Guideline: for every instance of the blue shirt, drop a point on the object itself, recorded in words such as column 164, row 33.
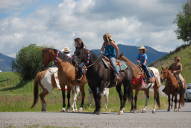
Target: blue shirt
column 142, row 57
column 109, row 51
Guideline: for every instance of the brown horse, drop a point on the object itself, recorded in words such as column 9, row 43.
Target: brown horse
column 66, row 73
column 137, row 84
column 172, row 89
column 47, row 80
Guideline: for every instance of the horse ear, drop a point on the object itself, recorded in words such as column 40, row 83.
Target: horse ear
column 162, row 67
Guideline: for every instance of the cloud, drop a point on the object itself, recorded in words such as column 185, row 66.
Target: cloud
column 142, row 22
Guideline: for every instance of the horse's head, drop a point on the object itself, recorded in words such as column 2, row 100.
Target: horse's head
column 48, row 55
column 164, row 73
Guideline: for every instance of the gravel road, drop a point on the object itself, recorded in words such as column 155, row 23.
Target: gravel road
column 161, row 119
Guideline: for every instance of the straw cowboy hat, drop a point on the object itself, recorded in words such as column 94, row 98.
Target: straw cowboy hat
column 66, row 49
column 142, row 48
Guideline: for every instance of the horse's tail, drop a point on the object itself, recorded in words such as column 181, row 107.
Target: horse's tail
column 35, row 91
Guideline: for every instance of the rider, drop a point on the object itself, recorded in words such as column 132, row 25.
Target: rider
column 78, row 43
column 176, row 69
column 111, row 51
column 142, row 60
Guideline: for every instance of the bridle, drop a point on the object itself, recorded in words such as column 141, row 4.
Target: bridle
column 87, row 63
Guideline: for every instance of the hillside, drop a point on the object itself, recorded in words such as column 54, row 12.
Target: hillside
column 132, row 51
column 185, row 53
column 5, row 63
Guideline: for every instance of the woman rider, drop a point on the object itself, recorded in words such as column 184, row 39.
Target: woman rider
column 176, row 69
column 111, row 51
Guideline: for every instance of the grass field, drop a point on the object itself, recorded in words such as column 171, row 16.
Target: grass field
column 17, row 95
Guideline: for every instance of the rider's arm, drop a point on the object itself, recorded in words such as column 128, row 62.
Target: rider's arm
column 116, row 48
column 145, row 62
column 102, row 48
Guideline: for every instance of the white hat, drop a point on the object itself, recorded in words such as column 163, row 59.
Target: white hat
column 66, row 49
column 142, row 47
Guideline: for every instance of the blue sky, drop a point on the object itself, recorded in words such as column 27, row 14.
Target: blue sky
column 56, row 23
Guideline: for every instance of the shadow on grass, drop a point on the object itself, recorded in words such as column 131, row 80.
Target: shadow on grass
column 21, row 84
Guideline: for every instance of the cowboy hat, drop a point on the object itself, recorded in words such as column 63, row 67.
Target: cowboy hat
column 66, row 49
column 142, row 48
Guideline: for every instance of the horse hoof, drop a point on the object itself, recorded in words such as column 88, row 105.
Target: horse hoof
column 144, row 110
column 80, row 109
column 121, row 112
column 153, row 111
column 63, row 110
column 43, row 110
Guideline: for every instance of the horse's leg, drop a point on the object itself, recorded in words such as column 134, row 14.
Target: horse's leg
column 63, row 99
column 83, row 97
column 135, row 99
column 68, row 97
column 172, row 101
column 42, row 97
column 75, row 95
column 169, row 103
column 175, row 106
column 156, row 99
column 146, row 100
column 179, row 102
column 118, row 88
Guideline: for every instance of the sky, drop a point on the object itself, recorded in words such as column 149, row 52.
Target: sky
column 55, row 23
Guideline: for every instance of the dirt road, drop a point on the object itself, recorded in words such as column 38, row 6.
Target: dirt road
column 161, row 119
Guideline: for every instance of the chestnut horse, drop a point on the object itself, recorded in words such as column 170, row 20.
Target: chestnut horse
column 48, row 80
column 66, row 73
column 138, row 84
column 172, row 89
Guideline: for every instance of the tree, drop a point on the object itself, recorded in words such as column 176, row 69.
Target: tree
column 183, row 21
column 28, row 61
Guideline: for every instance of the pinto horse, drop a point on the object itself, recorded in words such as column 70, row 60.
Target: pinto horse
column 48, row 80
column 172, row 89
column 66, row 73
column 138, row 84
column 100, row 77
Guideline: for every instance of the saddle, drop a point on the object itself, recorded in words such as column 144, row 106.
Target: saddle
column 108, row 64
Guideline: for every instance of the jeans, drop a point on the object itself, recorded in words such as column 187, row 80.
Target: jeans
column 144, row 67
column 113, row 62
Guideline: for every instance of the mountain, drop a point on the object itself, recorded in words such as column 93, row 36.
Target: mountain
column 6, row 63
column 131, row 53
column 185, row 53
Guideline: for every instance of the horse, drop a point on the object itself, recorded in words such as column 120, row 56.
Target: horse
column 172, row 89
column 66, row 74
column 105, row 94
column 99, row 77
column 137, row 82
column 48, row 80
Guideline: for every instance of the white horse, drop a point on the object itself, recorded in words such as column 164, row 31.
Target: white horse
column 48, row 80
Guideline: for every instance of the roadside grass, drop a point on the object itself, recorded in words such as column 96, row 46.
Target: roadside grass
column 17, row 95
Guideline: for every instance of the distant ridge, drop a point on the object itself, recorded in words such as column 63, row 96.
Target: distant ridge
column 131, row 52
column 6, row 63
